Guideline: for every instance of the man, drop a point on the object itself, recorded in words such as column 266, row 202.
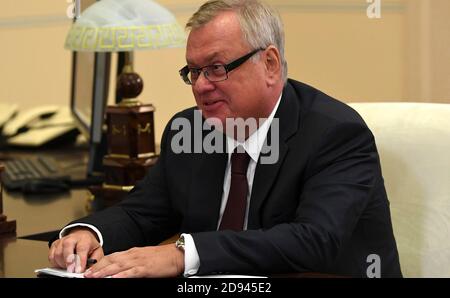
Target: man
column 321, row 206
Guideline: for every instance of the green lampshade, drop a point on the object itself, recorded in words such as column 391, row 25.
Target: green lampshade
column 125, row 25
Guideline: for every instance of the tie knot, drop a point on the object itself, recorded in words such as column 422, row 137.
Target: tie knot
column 239, row 161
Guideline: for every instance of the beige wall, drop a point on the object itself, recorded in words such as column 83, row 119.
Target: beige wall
column 427, row 50
column 331, row 44
column 440, row 50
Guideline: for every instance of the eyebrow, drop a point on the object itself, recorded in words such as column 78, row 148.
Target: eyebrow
column 208, row 58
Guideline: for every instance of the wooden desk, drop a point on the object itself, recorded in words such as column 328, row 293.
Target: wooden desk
column 43, row 213
column 19, row 257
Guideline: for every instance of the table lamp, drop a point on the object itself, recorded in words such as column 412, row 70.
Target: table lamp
column 126, row 26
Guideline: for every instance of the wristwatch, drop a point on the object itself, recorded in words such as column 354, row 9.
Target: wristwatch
column 180, row 243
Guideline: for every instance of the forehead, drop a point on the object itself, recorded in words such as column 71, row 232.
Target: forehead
column 221, row 39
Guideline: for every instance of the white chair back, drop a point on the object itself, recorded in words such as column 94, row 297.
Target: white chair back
column 413, row 140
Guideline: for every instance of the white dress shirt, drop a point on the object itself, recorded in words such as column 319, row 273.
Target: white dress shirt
column 252, row 146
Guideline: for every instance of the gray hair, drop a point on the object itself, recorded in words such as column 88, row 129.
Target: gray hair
column 260, row 24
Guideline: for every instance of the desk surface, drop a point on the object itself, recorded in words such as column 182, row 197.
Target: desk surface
column 19, row 257
column 36, row 214
column 43, row 213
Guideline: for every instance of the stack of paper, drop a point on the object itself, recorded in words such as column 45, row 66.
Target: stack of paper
column 58, row 272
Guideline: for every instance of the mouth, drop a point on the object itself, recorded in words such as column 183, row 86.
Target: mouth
column 212, row 105
column 211, row 102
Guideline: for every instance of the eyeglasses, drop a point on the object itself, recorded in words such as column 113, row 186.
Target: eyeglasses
column 215, row 72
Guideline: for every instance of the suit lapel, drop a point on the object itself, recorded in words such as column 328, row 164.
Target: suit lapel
column 288, row 114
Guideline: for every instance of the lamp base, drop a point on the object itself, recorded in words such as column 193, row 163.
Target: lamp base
column 130, row 130
column 121, row 174
column 126, row 171
column 7, row 227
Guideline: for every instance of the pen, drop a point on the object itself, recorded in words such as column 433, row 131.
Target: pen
column 90, row 262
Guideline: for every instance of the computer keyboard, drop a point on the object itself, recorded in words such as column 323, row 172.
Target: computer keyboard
column 20, row 173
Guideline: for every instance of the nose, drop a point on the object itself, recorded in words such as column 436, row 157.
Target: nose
column 203, row 84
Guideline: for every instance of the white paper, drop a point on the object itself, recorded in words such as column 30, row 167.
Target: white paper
column 59, row 272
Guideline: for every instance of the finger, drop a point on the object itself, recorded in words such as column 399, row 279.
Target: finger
column 130, row 273
column 101, row 263
column 82, row 250
column 109, row 270
column 68, row 248
column 97, row 254
column 91, row 271
column 109, row 265
column 72, row 261
column 51, row 255
column 58, row 258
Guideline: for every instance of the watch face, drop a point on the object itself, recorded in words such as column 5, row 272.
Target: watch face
column 180, row 243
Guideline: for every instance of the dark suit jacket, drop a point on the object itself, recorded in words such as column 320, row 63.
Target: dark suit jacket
column 322, row 207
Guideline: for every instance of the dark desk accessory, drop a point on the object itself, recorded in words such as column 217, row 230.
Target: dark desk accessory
column 130, row 139
column 23, row 172
column 46, row 186
column 6, row 227
column 39, row 174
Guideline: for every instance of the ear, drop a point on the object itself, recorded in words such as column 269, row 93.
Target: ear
column 272, row 61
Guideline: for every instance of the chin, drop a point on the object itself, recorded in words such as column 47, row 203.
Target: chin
column 215, row 121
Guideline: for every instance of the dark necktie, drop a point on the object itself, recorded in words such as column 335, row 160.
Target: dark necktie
column 234, row 214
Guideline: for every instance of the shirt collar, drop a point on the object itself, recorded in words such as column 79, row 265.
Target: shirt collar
column 255, row 142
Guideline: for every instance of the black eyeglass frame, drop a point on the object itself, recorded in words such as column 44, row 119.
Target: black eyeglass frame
column 184, row 72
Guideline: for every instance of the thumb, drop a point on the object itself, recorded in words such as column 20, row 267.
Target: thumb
column 97, row 254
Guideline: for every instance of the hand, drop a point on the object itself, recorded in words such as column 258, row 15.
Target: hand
column 150, row 261
column 73, row 250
